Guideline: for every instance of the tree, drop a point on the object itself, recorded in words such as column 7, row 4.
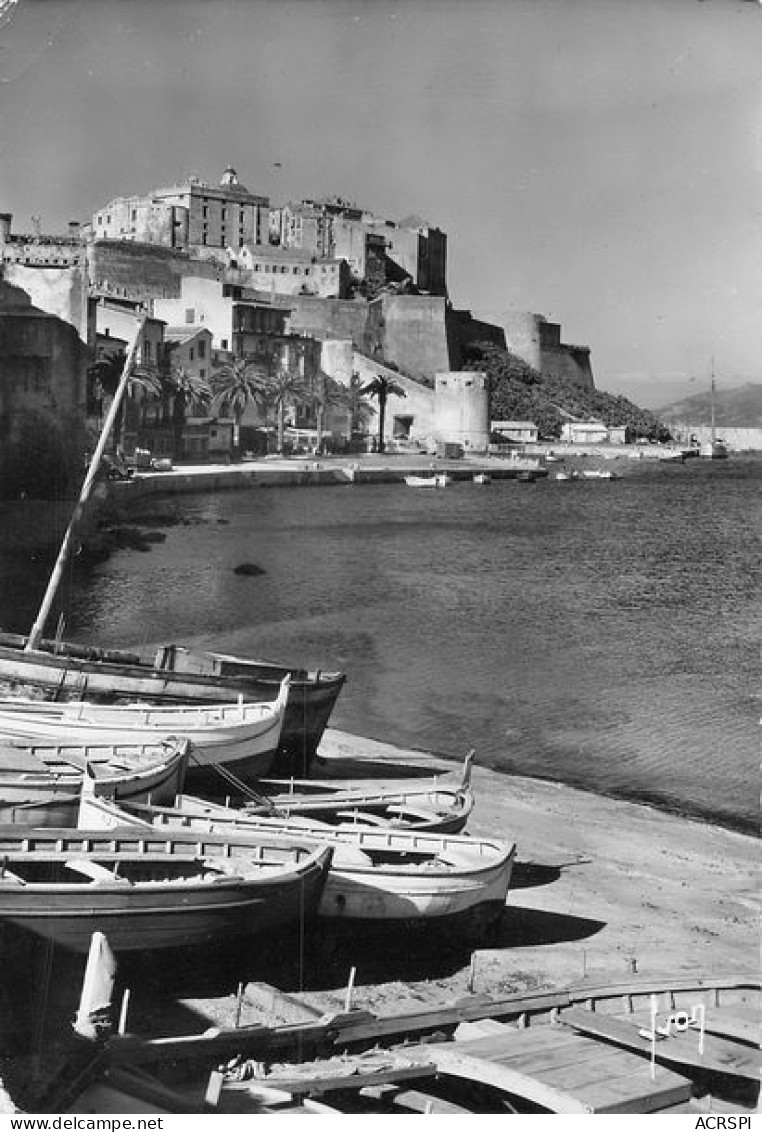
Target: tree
column 108, row 371
column 327, row 394
column 382, row 388
column 284, row 388
column 360, row 412
column 235, row 386
column 188, row 390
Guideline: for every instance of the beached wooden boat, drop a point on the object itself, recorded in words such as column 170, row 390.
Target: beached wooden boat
column 386, row 876
column 436, row 809
column 148, row 890
column 40, row 785
column 62, row 671
column 234, row 739
column 577, row 1049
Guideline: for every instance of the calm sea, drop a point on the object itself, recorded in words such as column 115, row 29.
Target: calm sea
column 605, row 634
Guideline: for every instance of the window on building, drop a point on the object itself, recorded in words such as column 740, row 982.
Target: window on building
column 190, row 354
column 224, row 343
column 146, row 351
column 202, row 374
column 201, row 348
column 190, row 316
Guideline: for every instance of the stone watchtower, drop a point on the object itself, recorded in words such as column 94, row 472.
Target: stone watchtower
column 461, row 409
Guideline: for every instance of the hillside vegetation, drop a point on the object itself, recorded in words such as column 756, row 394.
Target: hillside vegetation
column 520, row 393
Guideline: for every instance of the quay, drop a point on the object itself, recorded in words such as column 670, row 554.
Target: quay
column 323, row 471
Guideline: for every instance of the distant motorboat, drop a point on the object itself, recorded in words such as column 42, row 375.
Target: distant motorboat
column 439, row 479
column 567, row 477
column 715, row 449
column 482, row 477
column 599, row 474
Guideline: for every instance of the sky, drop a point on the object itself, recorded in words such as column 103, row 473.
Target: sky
column 595, row 161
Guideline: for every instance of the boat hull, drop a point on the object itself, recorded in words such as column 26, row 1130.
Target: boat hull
column 40, row 801
column 104, row 676
column 170, row 913
column 243, row 743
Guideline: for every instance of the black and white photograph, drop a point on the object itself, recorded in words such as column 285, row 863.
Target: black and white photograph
column 380, row 542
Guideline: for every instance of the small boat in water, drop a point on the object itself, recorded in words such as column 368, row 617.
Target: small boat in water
column 234, row 739
column 599, row 474
column 439, row 479
column 150, row 890
column 482, row 477
column 41, row 785
column 383, row 875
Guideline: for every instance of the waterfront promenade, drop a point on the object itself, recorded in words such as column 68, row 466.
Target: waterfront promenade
column 292, row 471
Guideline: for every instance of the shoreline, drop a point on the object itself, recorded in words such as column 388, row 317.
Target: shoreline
column 433, row 763
column 599, row 883
column 603, row 891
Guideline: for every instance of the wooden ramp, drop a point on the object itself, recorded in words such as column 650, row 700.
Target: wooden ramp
column 561, row 1071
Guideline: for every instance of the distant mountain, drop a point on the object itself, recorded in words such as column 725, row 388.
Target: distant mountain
column 733, row 408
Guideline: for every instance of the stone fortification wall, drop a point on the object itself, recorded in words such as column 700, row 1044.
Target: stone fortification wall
column 538, row 341
column 326, row 318
column 414, row 332
column 461, row 409
column 142, row 271
column 463, row 330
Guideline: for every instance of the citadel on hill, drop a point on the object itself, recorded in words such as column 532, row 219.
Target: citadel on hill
column 318, row 288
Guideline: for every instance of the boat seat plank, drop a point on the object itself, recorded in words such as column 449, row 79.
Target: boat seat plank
column 354, row 1078
column 730, row 1024
column 719, row 1055
column 416, row 1101
column 95, row 871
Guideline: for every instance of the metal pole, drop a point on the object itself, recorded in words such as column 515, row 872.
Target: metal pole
column 55, row 577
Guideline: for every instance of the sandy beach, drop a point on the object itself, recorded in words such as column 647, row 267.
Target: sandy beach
column 603, row 891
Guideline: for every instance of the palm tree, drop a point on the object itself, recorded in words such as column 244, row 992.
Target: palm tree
column 360, row 412
column 327, row 394
column 189, row 389
column 382, row 388
column 108, row 370
column 235, row 386
column 284, row 388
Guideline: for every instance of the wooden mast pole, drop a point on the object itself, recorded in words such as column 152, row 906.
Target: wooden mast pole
column 55, row 578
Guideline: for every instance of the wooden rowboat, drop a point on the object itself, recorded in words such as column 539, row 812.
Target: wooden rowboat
column 62, row 671
column 227, row 739
column 41, row 785
column 385, row 876
column 150, row 890
column 578, row 1049
column 440, row 804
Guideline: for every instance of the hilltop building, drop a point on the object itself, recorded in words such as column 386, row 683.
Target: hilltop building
column 193, row 214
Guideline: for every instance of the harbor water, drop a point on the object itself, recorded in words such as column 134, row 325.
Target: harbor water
column 604, row 634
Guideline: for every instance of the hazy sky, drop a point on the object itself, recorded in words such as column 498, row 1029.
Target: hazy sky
column 598, row 161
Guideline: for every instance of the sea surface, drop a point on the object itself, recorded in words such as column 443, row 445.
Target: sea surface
column 603, row 634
